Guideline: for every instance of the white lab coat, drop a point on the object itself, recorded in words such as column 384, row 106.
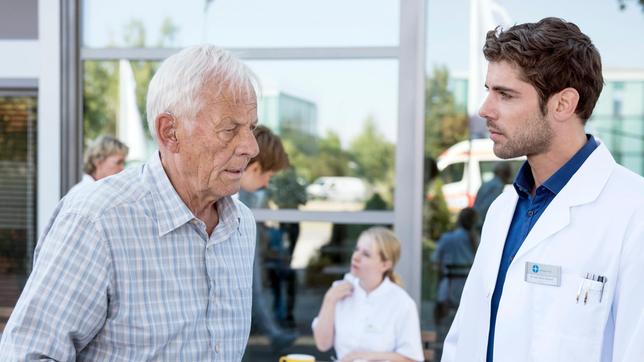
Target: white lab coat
column 594, row 225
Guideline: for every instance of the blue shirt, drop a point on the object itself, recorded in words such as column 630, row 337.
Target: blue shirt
column 528, row 210
column 125, row 272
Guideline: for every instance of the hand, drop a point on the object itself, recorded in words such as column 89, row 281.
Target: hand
column 339, row 291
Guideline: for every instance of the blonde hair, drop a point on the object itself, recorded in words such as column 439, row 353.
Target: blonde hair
column 100, row 149
column 388, row 247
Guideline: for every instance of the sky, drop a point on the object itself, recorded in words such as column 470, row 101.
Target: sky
column 349, row 91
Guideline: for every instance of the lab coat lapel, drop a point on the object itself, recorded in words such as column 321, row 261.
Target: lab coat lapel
column 584, row 187
column 495, row 232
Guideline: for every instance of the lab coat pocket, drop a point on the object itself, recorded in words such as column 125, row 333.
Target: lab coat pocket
column 557, row 348
column 575, row 309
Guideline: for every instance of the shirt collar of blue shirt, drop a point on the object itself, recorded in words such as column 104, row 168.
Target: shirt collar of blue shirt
column 172, row 212
column 524, row 181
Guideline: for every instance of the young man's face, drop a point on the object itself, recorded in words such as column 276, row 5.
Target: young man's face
column 514, row 119
column 254, row 178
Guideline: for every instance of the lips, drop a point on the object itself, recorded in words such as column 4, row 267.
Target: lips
column 234, row 173
column 494, row 133
column 495, row 136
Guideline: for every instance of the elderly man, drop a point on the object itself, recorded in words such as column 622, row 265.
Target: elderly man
column 154, row 263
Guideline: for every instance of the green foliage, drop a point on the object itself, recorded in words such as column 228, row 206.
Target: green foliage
column 373, row 154
column 332, row 160
column 286, row 190
column 100, row 98
column 436, row 215
column 101, row 82
column 376, row 202
column 445, row 124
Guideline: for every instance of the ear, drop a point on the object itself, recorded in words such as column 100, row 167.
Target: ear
column 166, row 130
column 388, row 264
column 563, row 104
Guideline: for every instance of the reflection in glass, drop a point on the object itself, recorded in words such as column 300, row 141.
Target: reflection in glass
column 240, row 23
column 318, row 254
column 340, row 139
column 17, row 197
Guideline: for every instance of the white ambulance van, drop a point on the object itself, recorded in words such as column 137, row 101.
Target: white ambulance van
column 465, row 166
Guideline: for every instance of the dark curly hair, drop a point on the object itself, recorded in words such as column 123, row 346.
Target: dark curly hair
column 551, row 55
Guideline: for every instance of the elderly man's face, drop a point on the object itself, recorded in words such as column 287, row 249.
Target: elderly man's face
column 218, row 144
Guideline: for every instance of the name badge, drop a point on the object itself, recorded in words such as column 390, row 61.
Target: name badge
column 543, row 274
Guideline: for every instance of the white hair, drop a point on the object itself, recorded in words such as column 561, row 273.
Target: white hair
column 178, row 84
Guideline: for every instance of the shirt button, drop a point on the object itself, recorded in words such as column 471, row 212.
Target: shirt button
column 530, row 213
column 217, row 349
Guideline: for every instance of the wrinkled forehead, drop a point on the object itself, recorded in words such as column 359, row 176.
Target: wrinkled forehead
column 231, row 93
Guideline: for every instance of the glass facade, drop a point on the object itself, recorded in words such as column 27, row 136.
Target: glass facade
column 331, row 135
column 618, row 120
column 336, row 89
column 240, row 23
column 320, row 255
column 18, row 123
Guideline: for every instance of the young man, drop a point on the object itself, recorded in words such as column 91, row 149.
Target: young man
column 154, row 263
column 558, row 274
column 271, row 159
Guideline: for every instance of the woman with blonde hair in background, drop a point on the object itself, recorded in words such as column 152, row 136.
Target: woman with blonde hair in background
column 368, row 316
column 103, row 157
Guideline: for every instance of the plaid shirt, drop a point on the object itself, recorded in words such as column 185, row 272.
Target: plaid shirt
column 125, row 272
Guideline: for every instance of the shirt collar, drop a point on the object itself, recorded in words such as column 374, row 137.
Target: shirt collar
column 171, row 211
column 380, row 289
column 524, row 180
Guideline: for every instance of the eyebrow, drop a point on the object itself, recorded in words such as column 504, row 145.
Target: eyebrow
column 498, row 88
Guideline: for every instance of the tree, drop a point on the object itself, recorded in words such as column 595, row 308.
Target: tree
column 100, row 98
column 100, row 82
column 374, row 155
column 332, row 160
column 445, row 123
column 622, row 4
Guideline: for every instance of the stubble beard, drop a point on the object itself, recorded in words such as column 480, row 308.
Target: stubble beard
column 533, row 137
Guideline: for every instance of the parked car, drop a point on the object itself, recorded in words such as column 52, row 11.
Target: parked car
column 338, row 188
column 465, row 166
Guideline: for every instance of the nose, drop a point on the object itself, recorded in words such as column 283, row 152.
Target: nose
column 248, row 144
column 355, row 256
column 486, row 110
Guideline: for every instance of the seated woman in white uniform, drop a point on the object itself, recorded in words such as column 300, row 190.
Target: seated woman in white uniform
column 368, row 316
